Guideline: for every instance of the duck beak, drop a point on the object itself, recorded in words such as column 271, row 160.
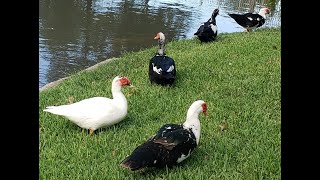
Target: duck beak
column 157, row 36
column 130, row 85
column 205, row 113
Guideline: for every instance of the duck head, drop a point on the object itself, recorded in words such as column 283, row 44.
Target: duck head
column 204, row 108
column 215, row 12
column 120, row 81
column 160, row 36
column 192, row 120
column 264, row 11
column 197, row 107
column 161, row 43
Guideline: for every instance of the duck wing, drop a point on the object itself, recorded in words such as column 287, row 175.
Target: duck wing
column 172, row 135
column 248, row 19
column 88, row 108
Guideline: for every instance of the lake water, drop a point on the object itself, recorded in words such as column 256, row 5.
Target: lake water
column 74, row 35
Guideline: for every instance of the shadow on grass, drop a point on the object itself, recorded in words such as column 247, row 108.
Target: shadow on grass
column 164, row 172
column 122, row 124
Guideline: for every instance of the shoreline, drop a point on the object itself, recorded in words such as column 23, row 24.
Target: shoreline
column 55, row 83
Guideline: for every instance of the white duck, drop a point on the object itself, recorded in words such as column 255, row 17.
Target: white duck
column 172, row 144
column 97, row 112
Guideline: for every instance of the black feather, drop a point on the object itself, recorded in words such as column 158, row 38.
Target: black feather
column 164, row 149
column 248, row 20
column 163, row 62
column 205, row 32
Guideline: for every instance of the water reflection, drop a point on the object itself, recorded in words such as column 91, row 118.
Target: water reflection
column 74, row 35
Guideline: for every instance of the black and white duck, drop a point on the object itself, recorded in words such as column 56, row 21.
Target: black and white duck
column 208, row 31
column 162, row 68
column 172, row 144
column 250, row 21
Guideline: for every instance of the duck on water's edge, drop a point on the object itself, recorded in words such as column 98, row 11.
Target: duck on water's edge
column 251, row 21
column 208, row 31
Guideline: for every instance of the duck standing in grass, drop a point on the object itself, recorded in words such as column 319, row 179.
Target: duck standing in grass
column 162, row 69
column 250, row 21
column 208, row 31
column 97, row 112
column 172, row 144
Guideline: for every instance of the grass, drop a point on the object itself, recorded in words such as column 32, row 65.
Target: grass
column 238, row 76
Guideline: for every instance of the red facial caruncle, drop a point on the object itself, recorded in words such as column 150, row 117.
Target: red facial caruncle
column 204, row 109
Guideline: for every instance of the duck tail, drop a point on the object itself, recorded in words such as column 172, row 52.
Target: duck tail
column 141, row 157
column 58, row 110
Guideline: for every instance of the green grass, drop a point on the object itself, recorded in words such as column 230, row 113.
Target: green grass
column 238, row 76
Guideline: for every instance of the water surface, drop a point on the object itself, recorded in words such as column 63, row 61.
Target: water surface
column 74, row 35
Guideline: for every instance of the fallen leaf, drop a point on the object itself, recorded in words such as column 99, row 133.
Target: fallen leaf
column 71, row 99
column 223, row 126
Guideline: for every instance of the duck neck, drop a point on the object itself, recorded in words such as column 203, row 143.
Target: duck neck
column 119, row 97
column 161, row 50
column 192, row 122
column 214, row 16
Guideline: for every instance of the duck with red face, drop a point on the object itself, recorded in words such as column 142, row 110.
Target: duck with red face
column 96, row 112
column 172, row 143
column 250, row 21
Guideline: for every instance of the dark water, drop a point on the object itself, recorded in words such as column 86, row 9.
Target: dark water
column 74, row 35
